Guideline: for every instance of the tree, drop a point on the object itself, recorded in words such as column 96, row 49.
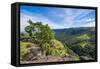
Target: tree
column 39, row 33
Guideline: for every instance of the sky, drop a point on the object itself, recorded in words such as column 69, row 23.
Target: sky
column 57, row 18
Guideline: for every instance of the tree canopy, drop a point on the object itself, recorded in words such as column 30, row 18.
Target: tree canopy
column 39, row 32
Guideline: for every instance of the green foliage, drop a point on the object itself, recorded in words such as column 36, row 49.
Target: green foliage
column 44, row 36
column 83, row 44
column 24, row 48
column 72, row 54
column 80, row 40
column 22, row 35
column 28, row 29
column 84, row 37
column 72, row 42
column 38, row 32
column 56, row 48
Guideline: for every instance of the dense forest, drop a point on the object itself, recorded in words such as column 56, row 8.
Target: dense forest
column 80, row 40
column 40, row 43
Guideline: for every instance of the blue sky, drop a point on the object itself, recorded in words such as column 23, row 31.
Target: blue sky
column 57, row 18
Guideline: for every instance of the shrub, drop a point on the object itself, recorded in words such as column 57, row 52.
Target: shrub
column 56, row 48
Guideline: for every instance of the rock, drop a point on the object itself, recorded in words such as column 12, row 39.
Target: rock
column 48, row 59
column 86, row 58
column 33, row 54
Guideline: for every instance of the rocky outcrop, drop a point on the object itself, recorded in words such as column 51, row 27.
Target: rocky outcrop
column 33, row 54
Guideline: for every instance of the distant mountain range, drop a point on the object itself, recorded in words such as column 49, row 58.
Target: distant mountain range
column 74, row 31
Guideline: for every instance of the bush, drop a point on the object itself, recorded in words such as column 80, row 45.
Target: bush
column 56, row 48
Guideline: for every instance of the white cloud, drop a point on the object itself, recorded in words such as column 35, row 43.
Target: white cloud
column 75, row 18
column 71, row 15
column 90, row 19
column 25, row 16
column 69, row 19
column 90, row 24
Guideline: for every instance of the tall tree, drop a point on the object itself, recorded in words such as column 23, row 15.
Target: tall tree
column 41, row 34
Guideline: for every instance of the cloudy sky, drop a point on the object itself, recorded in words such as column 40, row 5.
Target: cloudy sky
column 57, row 18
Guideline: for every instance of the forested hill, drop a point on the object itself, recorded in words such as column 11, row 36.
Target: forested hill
column 74, row 31
column 81, row 40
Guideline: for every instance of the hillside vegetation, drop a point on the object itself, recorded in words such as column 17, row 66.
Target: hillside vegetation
column 39, row 43
column 80, row 40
